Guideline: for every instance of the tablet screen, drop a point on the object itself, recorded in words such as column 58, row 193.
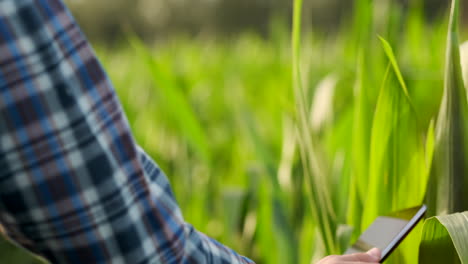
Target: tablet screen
column 386, row 232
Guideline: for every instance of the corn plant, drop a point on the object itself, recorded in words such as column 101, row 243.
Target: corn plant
column 449, row 177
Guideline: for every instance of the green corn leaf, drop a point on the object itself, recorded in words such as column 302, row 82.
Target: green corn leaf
column 391, row 56
column 362, row 37
column 362, row 22
column 397, row 170
column 315, row 178
column 267, row 239
column 445, row 239
column 449, row 176
column 429, row 148
column 360, row 149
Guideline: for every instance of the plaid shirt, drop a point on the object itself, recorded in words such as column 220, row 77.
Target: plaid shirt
column 74, row 185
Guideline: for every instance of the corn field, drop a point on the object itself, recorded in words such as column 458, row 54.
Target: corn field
column 286, row 148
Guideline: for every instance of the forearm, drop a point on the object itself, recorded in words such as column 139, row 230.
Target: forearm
column 74, row 186
column 198, row 248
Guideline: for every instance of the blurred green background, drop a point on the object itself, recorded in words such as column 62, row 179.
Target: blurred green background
column 207, row 87
column 163, row 19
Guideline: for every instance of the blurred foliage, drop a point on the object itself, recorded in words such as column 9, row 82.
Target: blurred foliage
column 106, row 21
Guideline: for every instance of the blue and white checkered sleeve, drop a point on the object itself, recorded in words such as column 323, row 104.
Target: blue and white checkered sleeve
column 74, row 185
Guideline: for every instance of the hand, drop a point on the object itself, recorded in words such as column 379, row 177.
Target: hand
column 371, row 256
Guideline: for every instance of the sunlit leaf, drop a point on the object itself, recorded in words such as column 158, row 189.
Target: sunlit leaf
column 445, row 239
column 315, row 178
column 397, row 163
column 449, row 176
column 360, row 147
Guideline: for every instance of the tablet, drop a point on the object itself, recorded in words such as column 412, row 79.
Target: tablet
column 387, row 232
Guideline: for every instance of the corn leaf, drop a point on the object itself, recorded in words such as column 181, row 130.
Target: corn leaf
column 397, row 172
column 315, row 178
column 360, row 149
column 449, row 176
column 397, row 162
column 362, row 22
column 445, row 239
column 362, row 37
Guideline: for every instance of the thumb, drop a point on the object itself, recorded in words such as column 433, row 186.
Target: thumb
column 375, row 253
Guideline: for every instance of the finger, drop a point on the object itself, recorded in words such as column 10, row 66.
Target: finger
column 346, row 259
column 359, row 262
column 360, row 257
column 329, row 259
column 375, row 252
